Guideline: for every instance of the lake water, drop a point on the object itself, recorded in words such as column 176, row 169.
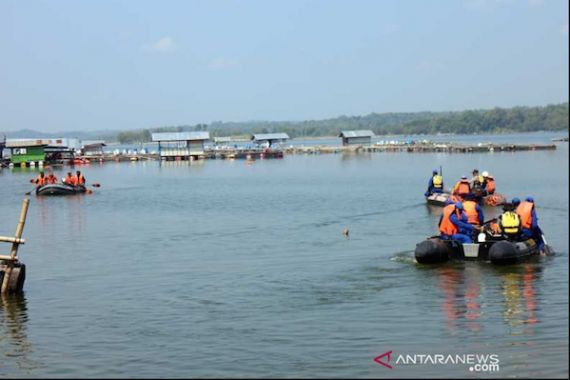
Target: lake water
column 228, row 269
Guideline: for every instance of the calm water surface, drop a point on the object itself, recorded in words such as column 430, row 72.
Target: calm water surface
column 228, row 269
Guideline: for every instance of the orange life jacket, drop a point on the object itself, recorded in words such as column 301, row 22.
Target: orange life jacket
column 471, row 212
column 525, row 213
column 490, row 187
column 41, row 181
column 79, row 180
column 462, row 187
column 446, row 227
column 71, row 181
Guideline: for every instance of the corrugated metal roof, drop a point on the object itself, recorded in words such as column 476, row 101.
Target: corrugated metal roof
column 59, row 142
column 180, row 136
column 223, row 139
column 362, row 133
column 270, row 136
column 20, row 143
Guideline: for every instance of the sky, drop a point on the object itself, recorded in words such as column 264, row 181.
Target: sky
column 97, row 65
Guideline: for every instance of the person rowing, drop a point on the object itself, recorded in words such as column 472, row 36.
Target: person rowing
column 41, row 180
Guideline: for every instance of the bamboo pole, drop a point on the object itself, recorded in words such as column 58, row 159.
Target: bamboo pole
column 15, row 244
column 7, row 239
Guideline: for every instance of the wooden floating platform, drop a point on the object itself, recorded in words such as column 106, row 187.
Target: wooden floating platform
column 256, row 154
column 420, row 148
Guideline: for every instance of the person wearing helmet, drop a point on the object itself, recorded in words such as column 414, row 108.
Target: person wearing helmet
column 435, row 184
column 453, row 224
column 461, row 188
column 488, row 183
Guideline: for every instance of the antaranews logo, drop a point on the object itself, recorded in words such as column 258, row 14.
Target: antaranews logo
column 473, row 362
column 384, row 359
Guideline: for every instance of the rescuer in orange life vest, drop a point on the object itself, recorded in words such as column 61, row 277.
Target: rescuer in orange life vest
column 473, row 211
column 462, row 187
column 51, row 179
column 529, row 220
column 79, row 179
column 453, row 224
column 41, row 180
column 69, row 180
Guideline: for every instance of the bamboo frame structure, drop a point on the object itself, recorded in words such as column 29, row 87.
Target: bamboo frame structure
column 16, row 241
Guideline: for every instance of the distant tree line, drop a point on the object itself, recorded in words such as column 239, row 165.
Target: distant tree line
column 496, row 120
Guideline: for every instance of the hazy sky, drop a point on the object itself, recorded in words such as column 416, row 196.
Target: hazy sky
column 90, row 65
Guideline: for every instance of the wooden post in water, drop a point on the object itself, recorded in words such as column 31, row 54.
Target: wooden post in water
column 7, row 284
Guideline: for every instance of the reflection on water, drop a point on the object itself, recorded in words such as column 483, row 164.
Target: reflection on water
column 462, row 288
column 14, row 342
column 71, row 205
column 462, row 291
column 521, row 299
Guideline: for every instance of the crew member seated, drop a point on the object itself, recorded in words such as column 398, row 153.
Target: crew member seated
column 461, row 188
column 41, row 180
column 509, row 222
column 435, row 184
column 473, row 211
column 453, row 224
column 529, row 221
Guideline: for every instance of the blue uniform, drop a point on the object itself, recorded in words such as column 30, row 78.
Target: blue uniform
column 432, row 189
column 465, row 230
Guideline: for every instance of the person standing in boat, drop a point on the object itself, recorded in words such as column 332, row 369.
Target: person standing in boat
column 476, row 181
column 435, row 184
column 41, row 180
column 453, row 224
column 473, row 211
column 461, row 188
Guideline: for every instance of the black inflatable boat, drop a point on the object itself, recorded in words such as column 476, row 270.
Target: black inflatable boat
column 60, row 189
column 436, row 250
column 439, row 199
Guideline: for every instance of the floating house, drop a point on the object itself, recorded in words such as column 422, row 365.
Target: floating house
column 268, row 139
column 24, row 152
column 31, row 151
column 93, row 148
column 180, row 145
column 363, row 137
column 62, row 149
